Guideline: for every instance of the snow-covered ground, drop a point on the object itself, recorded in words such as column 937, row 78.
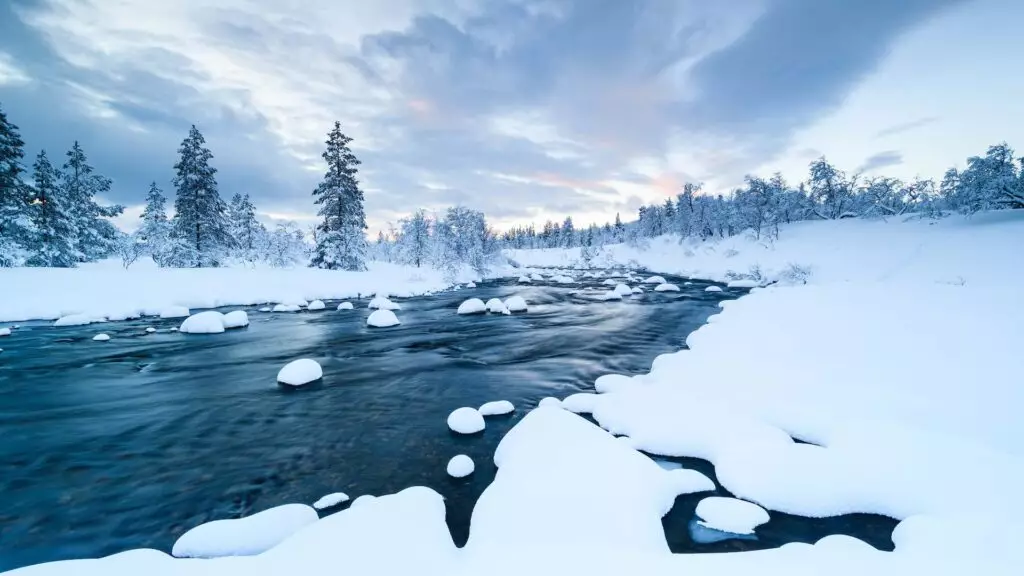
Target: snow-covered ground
column 106, row 290
column 898, row 365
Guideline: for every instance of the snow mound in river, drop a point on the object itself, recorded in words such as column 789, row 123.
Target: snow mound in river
column 466, row 421
column 299, row 372
column 472, row 306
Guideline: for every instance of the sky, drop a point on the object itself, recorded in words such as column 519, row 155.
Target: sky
column 524, row 109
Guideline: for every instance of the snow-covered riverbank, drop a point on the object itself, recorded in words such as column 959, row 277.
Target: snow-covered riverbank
column 106, row 290
column 897, row 367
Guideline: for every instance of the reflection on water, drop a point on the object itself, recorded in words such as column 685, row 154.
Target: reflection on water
column 126, row 444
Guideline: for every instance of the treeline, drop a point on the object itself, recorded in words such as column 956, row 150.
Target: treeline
column 460, row 236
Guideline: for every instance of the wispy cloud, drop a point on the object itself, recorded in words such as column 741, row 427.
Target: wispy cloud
column 906, row 126
column 881, row 160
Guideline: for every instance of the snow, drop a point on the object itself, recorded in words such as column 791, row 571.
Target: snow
column 610, row 295
column 516, row 304
column 666, row 287
column 470, row 284
column 363, row 500
column 299, row 372
column 265, row 309
column 713, row 289
column 655, row 280
column 77, row 320
column 331, row 500
column 150, row 330
column 346, row 306
column 686, row 481
column 497, row 408
column 612, row 383
column 383, row 303
column 496, row 306
column 244, row 536
column 472, row 306
column 610, row 282
column 286, row 308
column 5, row 331
column 536, row 277
column 174, row 312
column 460, row 466
column 561, row 279
column 96, row 338
column 316, row 305
column 623, row 290
column 743, row 284
column 524, row 280
column 730, row 515
column 236, row 319
column 639, row 290
column 382, row 319
column 105, row 289
column 466, row 421
column 550, row 401
column 209, row 322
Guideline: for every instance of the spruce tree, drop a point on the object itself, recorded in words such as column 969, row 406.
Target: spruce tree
column 245, row 228
column 340, row 241
column 52, row 222
column 200, row 227
column 14, row 233
column 155, row 231
column 92, row 236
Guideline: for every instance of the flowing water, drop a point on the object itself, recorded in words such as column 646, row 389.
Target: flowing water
column 106, row 446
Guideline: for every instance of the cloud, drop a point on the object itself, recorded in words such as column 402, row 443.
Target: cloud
column 11, row 74
column 881, row 160
column 906, row 126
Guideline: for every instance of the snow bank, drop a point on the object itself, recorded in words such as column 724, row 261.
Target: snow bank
column 299, row 372
column 286, row 308
column 730, row 515
column 96, row 338
column 175, row 312
column 101, row 290
column 236, row 319
column 496, row 306
column 466, row 421
column 208, row 322
column 316, row 305
column 346, row 306
column 713, row 289
column 550, row 402
column 383, row 303
column 516, row 304
column 497, row 408
column 743, row 284
column 331, row 500
column 472, row 306
column 382, row 319
column 666, row 287
column 460, row 466
column 244, row 536
column 655, row 280
column 77, row 320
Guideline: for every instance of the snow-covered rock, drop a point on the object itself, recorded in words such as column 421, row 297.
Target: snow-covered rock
column 331, row 500
column 5, row 331
column 562, row 279
column 730, row 515
column 208, row 322
column 638, row 290
column 265, row 309
column 316, row 305
column 610, row 282
column 466, row 421
column 666, row 287
column 746, row 283
column 713, row 289
column 524, row 280
column 496, row 306
column 175, row 312
column 460, row 466
column 655, row 280
column 470, row 284
column 580, row 403
column 236, row 319
column 497, row 408
column 516, row 304
column 536, row 277
column 623, row 290
column 383, row 303
column 550, row 401
column 299, row 372
column 610, row 295
column 150, row 330
column 244, row 536
column 77, row 320
column 346, row 306
column 472, row 306
column 382, row 319
column 96, row 338
column 286, row 308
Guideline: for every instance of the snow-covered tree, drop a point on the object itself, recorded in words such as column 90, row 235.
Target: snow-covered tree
column 200, row 228
column 286, row 246
column 568, row 232
column 414, row 239
column 620, row 230
column 462, row 238
column 832, row 194
column 93, row 236
column 340, row 238
column 15, row 236
column 990, row 182
column 155, row 232
column 245, row 228
column 51, row 221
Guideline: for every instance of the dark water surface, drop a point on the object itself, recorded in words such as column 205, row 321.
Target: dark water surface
column 125, row 444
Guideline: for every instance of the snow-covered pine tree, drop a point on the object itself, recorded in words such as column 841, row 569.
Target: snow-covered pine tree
column 52, row 223
column 568, row 232
column 620, row 230
column 93, row 236
column 200, row 226
column 340, row 238
column 155, row 232
column 15, row 236
column 245, row 228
